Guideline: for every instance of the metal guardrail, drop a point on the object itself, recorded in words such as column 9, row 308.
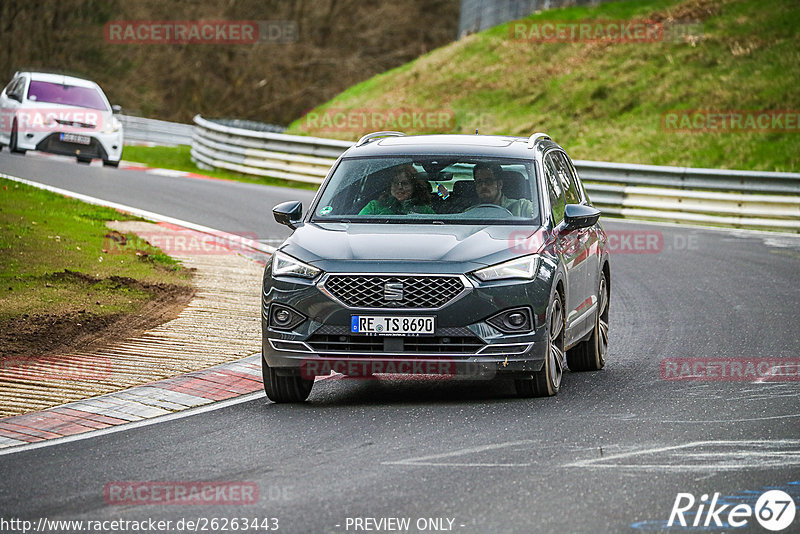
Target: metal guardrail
column 292, row 157
column 162, row 133
column 743, row 199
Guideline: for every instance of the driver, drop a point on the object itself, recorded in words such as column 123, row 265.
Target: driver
column 489, row 188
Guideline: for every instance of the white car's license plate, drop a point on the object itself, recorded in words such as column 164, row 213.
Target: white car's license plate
column 391, row 325
column 75, row 138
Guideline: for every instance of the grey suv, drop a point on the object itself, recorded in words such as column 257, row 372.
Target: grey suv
column 456, row 255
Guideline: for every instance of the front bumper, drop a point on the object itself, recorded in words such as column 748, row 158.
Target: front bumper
column 102, row 146
column 463, row 343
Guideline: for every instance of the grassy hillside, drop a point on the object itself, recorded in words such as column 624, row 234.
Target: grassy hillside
column 604, row 100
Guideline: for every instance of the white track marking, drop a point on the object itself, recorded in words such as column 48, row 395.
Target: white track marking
column 730, row 455
column 251, row 243
column 426, row 460
column 137, row 424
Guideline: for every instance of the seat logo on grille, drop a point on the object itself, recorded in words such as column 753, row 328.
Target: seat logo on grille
column 393, row 291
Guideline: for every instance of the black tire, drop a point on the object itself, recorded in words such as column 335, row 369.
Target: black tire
column 547, row 381
column 109, row 163
column 85, row 161
column 12, row 142
column 590, row 355
column 281, row 388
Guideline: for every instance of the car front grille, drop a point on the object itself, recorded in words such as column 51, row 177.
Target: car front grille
column 75, row 124
column 370, row 291
column 323, row 343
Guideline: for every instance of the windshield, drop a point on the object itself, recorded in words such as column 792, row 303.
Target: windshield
column 427, row 189
column 70, row 95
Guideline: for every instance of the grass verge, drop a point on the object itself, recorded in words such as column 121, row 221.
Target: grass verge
column 605, row 101
column 179, row 158
column 62, row 272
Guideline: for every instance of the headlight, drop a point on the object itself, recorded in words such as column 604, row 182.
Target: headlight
column 113, row 126
column 285, row 265
column 524, row 267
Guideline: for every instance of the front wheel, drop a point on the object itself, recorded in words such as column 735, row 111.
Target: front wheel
column 282, row 388
column 109, row 163
column 590, row 355
column 12, row 143
column 547, row 381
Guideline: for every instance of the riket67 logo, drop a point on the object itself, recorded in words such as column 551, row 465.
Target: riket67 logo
column 774, row 510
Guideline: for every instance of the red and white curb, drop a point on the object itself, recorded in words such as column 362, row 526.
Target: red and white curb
column 180, row 396
column 156, row 399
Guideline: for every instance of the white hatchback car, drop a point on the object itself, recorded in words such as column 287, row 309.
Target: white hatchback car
column 61, row 115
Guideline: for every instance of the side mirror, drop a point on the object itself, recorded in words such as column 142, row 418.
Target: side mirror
column 579, row 216
column 289, row 213
column 116, row 109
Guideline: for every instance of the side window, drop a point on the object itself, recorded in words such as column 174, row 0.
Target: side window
column 577, row 180
column 554, row 189
column 9, row 86
column 571, row 191
column 14, row 87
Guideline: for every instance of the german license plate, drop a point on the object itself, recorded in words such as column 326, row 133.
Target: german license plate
column 391, row 325
column 75, row 138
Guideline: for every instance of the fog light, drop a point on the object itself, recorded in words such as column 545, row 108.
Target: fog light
column 282, row 317
column 513, row 321
column 516, row 319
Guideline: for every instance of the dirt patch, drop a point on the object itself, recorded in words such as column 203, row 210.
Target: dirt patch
column 690, row 11
column 70, row 331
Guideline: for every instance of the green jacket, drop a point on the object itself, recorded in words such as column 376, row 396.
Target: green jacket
column 393, row 207
column 518, row 207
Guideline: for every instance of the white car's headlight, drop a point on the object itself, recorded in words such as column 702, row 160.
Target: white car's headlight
column 524, row 267
column 285, row 265
column 113, row 126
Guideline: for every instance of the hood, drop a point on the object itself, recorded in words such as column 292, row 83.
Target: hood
column 472, row 245
column 38, row 114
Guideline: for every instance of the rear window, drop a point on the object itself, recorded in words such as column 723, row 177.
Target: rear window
column 70, row 95
column 420, row 189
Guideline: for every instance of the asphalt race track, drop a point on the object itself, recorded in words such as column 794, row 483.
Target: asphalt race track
column 610, row 453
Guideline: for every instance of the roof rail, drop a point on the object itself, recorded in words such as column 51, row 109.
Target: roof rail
column 370, row 136
column 532, row 139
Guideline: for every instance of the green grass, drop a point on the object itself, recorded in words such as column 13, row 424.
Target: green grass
column 604, row 101
column 179, row 158
column 55, row 258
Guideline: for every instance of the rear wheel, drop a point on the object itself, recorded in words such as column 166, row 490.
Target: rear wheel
column 590, row 355
column 547, row 381
column 12, row 143
column 281, row 388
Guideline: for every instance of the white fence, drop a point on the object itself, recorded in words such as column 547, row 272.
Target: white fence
column 742, row 199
